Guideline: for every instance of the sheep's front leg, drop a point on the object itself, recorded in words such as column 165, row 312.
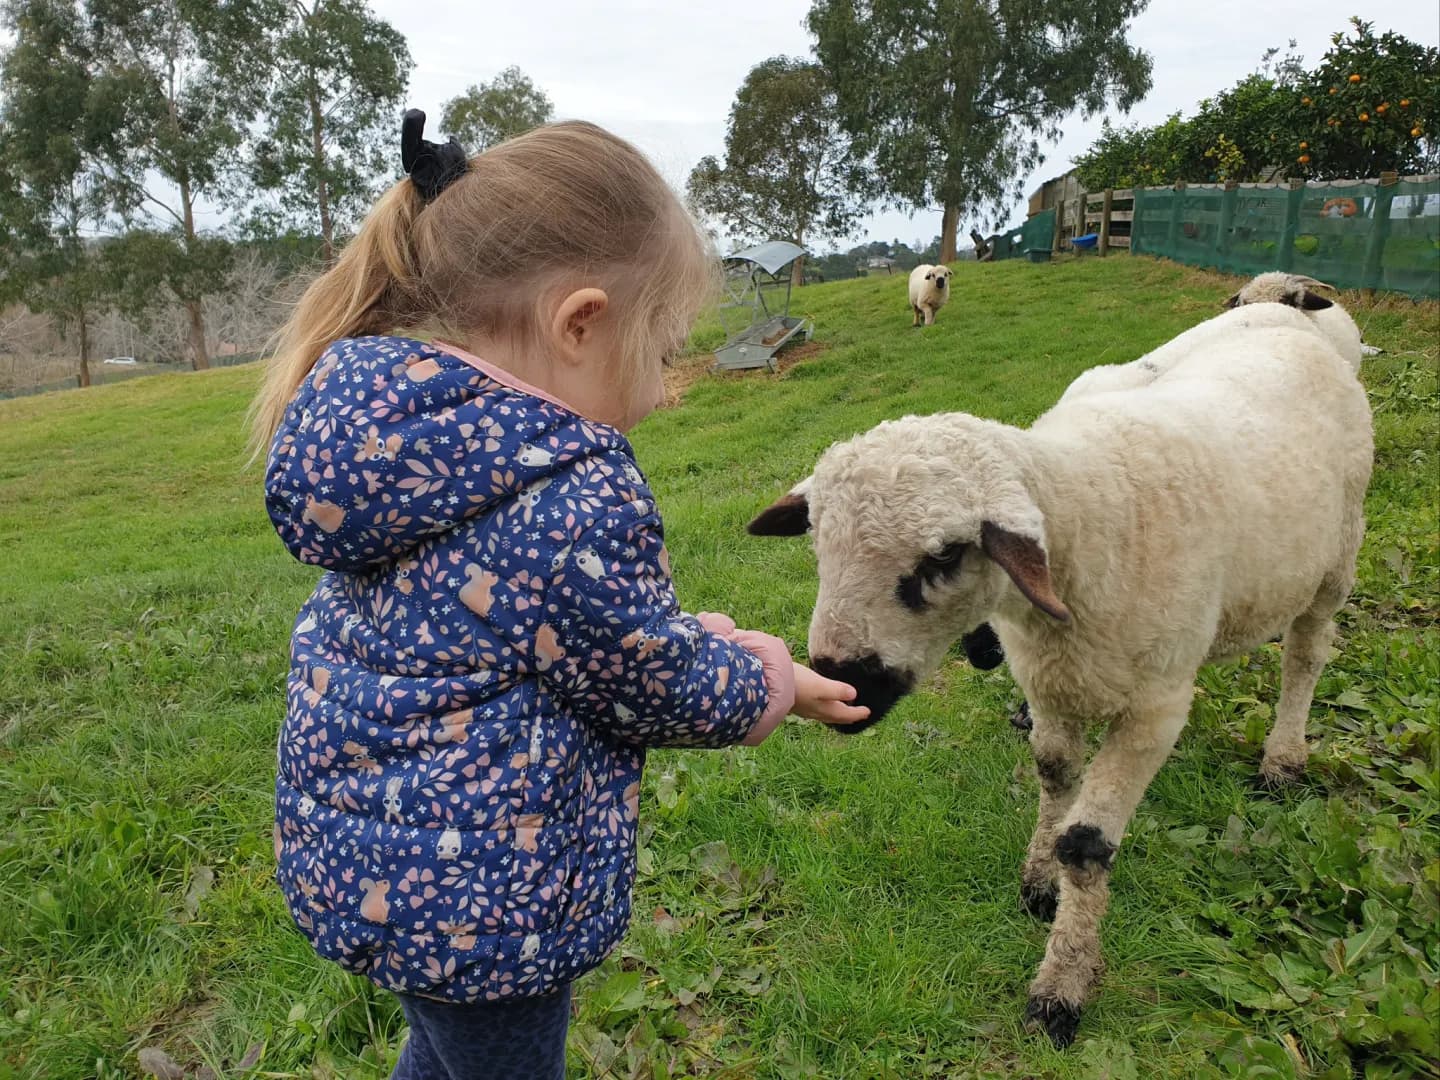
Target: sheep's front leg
column 1059, row 749
column 1307, row 645
column 929, row 316
column 914, row 315
column 1089, row 835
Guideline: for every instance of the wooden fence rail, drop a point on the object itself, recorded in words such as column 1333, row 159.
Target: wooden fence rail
column 1096, row 212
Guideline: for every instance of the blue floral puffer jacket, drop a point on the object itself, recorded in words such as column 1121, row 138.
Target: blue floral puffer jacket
column 475, row 678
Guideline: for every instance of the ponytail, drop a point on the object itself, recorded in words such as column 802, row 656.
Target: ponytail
column 370, row 289
column 563, row 206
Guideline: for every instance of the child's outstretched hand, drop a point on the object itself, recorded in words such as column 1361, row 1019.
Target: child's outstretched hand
column 825, row 699
column 815, row 696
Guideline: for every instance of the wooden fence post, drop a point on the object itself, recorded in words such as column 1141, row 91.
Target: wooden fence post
column 1227, row 221
column 1105, row 222
column 1172, row 234
column 1379, row 233
column 1293, row 198
column 1058, row 226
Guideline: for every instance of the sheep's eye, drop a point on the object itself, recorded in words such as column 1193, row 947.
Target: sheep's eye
column 943, row 562
column 910, row 589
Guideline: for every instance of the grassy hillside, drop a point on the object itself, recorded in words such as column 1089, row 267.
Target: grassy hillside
column 818, row 907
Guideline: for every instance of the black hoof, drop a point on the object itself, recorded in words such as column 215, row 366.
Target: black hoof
column 1040, row 901
column 1021, row 719
column 1058, row 1019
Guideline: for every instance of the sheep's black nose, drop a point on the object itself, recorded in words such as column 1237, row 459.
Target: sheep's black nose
column 877, row 687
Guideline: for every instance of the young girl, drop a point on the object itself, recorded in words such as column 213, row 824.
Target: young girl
column 496, row 641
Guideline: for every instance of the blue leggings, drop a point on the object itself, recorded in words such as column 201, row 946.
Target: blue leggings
column 511, row 1040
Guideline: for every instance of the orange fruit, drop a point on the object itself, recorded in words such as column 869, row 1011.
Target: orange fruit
column 1364, row 118
column 1415, row 131
column 1354, row 78
column 1304, row 159
column 1405, row 103
column 1304, row 146
column 1304, row 101
column 1334, row 89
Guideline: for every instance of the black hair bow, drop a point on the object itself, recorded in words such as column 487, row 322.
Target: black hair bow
column 432, row 166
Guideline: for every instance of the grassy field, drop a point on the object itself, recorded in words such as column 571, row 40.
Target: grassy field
column 819, row 907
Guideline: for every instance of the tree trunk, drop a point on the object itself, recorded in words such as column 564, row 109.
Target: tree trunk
column 797, row 268
column 199, row 357
column 84, row 379
column 797, row 272
column 949, row 224
column 322, row 191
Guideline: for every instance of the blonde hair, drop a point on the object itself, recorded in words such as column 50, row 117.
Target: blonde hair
column 563, row 206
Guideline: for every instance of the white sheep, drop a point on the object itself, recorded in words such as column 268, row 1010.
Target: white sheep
column 929, row 292
column 1118, row 545
column 1295, row 291
column 1273, row 299
column 1301, row 293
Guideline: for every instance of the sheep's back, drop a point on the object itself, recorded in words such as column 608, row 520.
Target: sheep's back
column 1221, row 494
column 1331, row 325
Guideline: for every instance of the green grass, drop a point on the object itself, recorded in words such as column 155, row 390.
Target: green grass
column 819, row 907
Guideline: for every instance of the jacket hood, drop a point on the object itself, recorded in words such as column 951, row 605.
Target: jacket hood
column 390, row 441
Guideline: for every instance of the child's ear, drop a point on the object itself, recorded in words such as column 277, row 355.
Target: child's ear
column 577, row 317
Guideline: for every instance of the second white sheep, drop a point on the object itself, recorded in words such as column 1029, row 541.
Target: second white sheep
column 929, row 292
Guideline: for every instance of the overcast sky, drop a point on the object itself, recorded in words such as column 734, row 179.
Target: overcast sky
column 664, row 74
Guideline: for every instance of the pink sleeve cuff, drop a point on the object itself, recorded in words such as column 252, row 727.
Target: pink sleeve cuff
column 774, row 657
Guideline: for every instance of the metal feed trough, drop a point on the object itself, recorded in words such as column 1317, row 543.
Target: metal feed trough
column 753, row 280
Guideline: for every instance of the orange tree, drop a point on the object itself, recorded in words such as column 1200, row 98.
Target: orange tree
column 1237, row 134
column 1371, row 105
column 1137, row 156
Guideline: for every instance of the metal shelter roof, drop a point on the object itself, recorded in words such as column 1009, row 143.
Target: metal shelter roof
column 769, row 257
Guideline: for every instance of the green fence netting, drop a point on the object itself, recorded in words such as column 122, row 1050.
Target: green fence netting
column 1350, row 234
column 1037, row 232
column 1035, row 235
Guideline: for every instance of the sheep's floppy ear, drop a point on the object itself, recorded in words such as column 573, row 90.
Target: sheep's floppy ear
column 1232, row 301
column 1309, row 301
column 1023, row 559
column 1313, row 283
column 929, row 276
column 788, row 515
